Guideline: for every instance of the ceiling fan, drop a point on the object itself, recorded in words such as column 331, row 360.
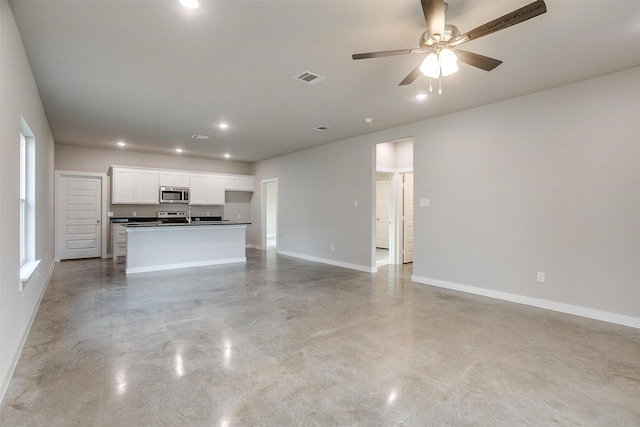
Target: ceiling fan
column 441, row 41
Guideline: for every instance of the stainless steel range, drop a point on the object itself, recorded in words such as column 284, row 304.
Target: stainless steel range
column 173, row 217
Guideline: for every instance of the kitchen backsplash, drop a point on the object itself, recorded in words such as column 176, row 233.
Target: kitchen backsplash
column 145, row 210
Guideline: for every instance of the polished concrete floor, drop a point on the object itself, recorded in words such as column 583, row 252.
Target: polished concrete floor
column 286, row 342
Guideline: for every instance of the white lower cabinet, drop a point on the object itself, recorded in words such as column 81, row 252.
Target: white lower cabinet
column 118, row 241
column 206, row 189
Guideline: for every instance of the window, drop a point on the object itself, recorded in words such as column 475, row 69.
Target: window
column 23, row 198
column 28, row 262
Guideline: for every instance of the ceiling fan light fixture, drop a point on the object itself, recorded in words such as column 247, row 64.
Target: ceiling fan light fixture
column 190, row 4
column 448, row 62
column 430, row 66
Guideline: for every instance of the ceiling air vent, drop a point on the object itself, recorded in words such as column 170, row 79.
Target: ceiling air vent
column 322, row 128
column 309, row 77
column 196, row 136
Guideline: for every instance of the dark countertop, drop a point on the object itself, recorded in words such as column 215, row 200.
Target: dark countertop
column 192, row 224
column 153, row 219
column 126, row 219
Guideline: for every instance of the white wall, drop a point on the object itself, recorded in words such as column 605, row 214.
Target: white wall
column 391, row 156
column 404, row 154
column 386, row 156
column 317, row 189
column 19, row 96
column 69, row 157
column 548, row 182
column 545, row 182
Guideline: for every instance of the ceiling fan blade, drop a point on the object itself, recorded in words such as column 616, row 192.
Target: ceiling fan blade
column 413, row 75
column 478, row 61
column 434, row 16
column 517, row 16
column 381, row 54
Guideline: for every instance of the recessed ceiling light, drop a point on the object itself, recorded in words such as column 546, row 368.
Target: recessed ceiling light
column 191, row 4
column 121, row 143
column 223, row 125
column 226, row 156
column 178, row 150
column 421, row 96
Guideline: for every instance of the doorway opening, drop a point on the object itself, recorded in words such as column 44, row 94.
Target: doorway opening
column 270, row 213
column 393, row 241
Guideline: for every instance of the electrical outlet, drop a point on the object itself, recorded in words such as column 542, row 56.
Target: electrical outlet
column 134, row 213
column 355, row 204
column 239, row 217
column 540, row 277
column 332, row 247
column 109, row 214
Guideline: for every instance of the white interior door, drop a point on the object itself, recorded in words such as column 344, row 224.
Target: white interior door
column 382, row 214
column 270, row 213
column 80, row 213
column 407, row 229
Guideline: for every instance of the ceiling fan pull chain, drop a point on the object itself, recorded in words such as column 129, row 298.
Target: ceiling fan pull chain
column 440, row 85
column 430, row 87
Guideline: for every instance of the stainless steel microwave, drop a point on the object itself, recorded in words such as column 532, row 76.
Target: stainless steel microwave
column 174, row 195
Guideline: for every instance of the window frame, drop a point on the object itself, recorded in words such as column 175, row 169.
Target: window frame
column 23, row 198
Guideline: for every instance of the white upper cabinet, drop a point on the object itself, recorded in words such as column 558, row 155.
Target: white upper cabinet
column 138, row 186
column 134, row 186
column 238, row 183
column 148, row 190
column 206, row 189
column 174, row 179
column 123, row 185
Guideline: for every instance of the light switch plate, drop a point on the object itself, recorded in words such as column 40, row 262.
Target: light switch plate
column 424, row 203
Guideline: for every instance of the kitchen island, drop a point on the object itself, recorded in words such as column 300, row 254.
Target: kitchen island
column 154, row 247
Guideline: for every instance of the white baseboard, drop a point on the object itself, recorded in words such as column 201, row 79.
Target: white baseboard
column 605, row 316
column 330, row 262
column 255, row 247
column 184, row 265
column 23, row 339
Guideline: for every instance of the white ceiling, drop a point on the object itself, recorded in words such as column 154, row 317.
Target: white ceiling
column 153, row 73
